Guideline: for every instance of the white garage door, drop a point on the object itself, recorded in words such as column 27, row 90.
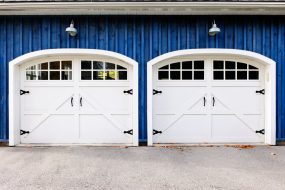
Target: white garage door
column 211, row 100
column 76, row 101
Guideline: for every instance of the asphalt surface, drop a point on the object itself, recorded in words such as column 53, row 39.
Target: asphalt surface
column 135, row 168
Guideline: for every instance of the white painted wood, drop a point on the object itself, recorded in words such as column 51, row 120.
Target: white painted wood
column 245, row 116
column 270, row 104
column 237, row 114
column 181, row 116
column 178, row 110
column 113, row 113
column 47, row 112
column 14, row 102
column 143, row 8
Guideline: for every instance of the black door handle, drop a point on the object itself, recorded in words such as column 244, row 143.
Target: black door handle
column 204, row 101
column 71, row 101
column 214, row 101
column 80, row 101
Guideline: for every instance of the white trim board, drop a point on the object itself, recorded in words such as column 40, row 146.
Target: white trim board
column 270, row 83
column 14, row 84
column 143, row 8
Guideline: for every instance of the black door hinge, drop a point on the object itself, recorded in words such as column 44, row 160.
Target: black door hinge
column 24, row 92
column 154, row 92
column 128, row 91
column 154, row 132
column 262, row 91
column 262, row 131
column 130, row 132
column 22, row 132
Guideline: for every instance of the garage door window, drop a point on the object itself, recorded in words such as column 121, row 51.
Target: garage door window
column 98, row 70
column 54, row 70
column 185, row 70
column 231, row 70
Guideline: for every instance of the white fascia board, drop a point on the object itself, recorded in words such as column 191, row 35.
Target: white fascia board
column 143, row 8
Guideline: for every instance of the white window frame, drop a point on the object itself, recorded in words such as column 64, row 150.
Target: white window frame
column 270, row 83
column 181, row 71
column 14, row 84
column 39, row 62
column 116, row 63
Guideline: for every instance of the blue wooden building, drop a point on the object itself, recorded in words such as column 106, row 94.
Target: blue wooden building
column 142, row 72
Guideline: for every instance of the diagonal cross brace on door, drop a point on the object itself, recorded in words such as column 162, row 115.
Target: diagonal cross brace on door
column 53, row 109
column 108, row 116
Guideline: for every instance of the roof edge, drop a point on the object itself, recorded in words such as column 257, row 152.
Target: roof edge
column 143, row 8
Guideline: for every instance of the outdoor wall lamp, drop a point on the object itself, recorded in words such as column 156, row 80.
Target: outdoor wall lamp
column 214, row 29
column 71, row 30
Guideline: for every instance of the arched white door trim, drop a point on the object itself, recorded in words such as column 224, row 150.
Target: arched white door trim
column 14, row 84
column 270, row 83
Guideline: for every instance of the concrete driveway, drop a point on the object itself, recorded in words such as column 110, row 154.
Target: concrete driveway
column 81, row 167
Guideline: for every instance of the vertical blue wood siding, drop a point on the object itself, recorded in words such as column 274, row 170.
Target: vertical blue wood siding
column 142, row 38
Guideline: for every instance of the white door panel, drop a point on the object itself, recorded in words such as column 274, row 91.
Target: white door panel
column 48, row 114
column 166, row 102
column 235, row 128
column 248, row 101
column 106, row 98
column 99, row 129
column 113, row 109
column 53, row 129
column 72, row 110
column 208, row 110
column 47, row 98
column 174, row 116
column 237, row 114
column 186, row 128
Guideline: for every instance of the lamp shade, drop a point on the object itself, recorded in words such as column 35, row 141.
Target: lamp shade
column 71, row 30
column 214, row 30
